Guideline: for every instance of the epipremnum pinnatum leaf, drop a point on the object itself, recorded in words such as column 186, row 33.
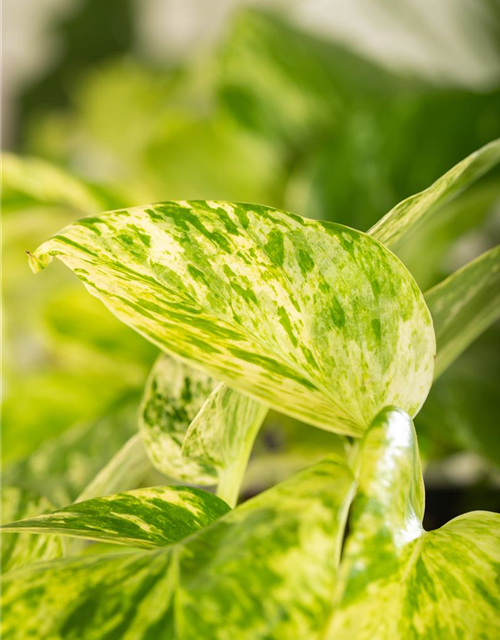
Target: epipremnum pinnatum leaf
column 265, row 569
column 397, row 225
column 152, row 517
column 21, row 549
column 399, row 581
column 312, row 318
column 464, row 305
column 173, row 397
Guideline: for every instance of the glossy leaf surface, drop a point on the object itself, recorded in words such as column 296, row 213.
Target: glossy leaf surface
column 152, row 517
column 21, row 549
column 397, row 580
column 276, row 553
column 405, row 217
column 315, row 319
column 464, row 305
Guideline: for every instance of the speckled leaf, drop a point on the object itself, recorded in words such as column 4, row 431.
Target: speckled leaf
column 399, row 581
column 222, row 434
column 313, row 318
column 464, row 305
column 152, row 517
column 264, row 570
column 400, row 222
column 21, row 549
column 173, row 396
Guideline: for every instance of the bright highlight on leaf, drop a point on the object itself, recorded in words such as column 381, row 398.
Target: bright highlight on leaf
column 314, row 319
column 400, row 222
column 276, row 553
column 152, row 517
column 397, row 580
column 464, row 305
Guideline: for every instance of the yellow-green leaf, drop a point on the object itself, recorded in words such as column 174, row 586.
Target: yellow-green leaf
column 464, row 305
column 152, row 517
column 267, row 569
column 397, row 580
column 315, row 319
column 405, row 217
column 21, row 549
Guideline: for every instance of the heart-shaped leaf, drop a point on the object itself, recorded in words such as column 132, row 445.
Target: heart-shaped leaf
column 397, row 580
column 314, row 319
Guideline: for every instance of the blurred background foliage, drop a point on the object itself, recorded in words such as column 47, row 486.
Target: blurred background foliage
column 332, row 110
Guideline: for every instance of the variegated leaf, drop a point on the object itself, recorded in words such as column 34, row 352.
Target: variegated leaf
column 21, row 549
column 315, row 319
column 223, row 434
column 464, row 305
column 265, row 570
column 399, row 581
column 173, row 396
column 152, row 517
column 404, row 218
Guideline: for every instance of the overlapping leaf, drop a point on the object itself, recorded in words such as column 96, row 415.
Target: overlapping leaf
column 398, row 581
column 21, row 549
column 315, row 319
column 464, row 305
column 152, row 517
column 266, row 569
column 401, row 221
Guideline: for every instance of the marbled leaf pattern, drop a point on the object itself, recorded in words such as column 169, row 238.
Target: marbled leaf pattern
column 21, row 549
column 152, row 517
column 267, row 569
column 399, row 581
column 315, row 319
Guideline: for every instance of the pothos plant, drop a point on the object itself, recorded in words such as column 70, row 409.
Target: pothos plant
column 254, row 308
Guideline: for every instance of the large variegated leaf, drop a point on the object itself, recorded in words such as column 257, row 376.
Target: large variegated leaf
column 315, row 319
column 265, row 570
column 398, row 581
column 21, row 549
column 405, row 217
column 173, row 397
column 152, row 517
column 464, row 305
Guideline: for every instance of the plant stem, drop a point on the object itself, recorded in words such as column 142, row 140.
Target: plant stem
column 231, row 476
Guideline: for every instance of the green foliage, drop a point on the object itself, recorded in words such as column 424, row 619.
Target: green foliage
column 253, row 308
column 312, row 318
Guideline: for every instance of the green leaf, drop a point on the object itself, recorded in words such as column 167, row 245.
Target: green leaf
column 33, row 180
column 21, row 549
column 401, row 221
column 315, row 319
column 223, row 434
column 152, row 517
column 397, row 580
column 265, row 569
column 464, row 305
column 173, row 397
